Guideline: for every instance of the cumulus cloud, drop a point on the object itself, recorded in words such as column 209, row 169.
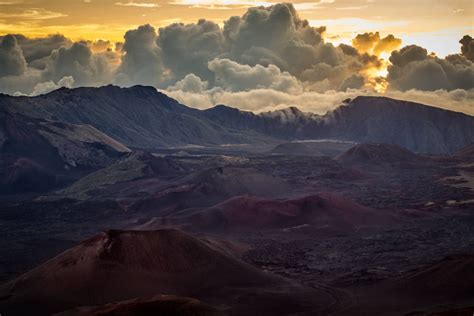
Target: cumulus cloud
column 45, row 87
column 12, row 61
column 237, row 77
column 141, row 62
column 273, row 36
column 191, row 83
column 413, row 68
column 260, row 100
column 79, row 62
column 353, row 82
column 467, row 48
column 48, row 65
column 373, row 44
column 188, row 48
column 35, row 49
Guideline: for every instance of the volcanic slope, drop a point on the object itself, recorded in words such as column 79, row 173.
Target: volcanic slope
column 32, row 148
column 120, row 265
column 243, row 213
column 448, row 283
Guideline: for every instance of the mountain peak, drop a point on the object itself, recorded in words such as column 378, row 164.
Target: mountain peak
column 222, row 108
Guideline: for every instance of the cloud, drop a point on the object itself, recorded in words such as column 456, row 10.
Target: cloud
column 33, row 14
column 372, row 43
column 235, row 4
column 413, row 68
column 353, row 82
column 260, row 100
column 467, row 47
column 191, row 83
column 236, row 77
column 46, row 87
column 37, row 48
column 141, row 62
column 79, row 62
column 138, row 4
column 187, row 48
column 12, row 61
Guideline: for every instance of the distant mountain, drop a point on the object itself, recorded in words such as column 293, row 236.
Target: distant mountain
column 137, row 116
column 417, row 127
column 36, row 154
column 143, row 117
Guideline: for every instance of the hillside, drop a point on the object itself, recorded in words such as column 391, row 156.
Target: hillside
column 120, row 265
column 137, row 116
column 36, row 154
column 247, row 213
column 143, row 117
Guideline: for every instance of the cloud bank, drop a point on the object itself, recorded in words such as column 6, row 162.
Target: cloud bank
column 266, row 59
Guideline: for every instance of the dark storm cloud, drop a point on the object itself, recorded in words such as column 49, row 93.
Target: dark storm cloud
column 353, row 82
column 69, row 65
column 413, row 68
column 12, row 61
column 273, row 36
column 188, row 48
column 141, row 62
column 467, row 48
column 38, row 48
column 79, row 62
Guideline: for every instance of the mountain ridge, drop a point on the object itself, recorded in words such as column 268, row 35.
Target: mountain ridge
column 143, row 117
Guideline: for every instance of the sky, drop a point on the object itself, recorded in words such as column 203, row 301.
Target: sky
column 282, row 55
column 436, row 25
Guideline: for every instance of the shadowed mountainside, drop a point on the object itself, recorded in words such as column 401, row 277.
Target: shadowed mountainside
column 36, row 154
column 143, row 117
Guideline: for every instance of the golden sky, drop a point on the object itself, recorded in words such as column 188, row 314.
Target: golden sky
column 435, row 24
